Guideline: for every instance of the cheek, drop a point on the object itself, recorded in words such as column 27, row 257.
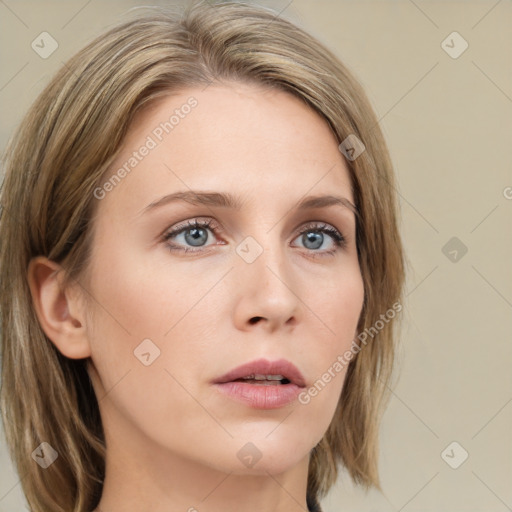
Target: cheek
column 147, row 296
column 338, row 307
column 161, row 311
column 137, row 299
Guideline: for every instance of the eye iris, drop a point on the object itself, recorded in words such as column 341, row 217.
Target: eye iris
column 315, row 237
column 198, row 235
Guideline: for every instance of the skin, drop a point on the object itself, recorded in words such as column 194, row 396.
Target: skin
column 172, row 439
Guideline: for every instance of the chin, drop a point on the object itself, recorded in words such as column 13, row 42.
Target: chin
column 270, row 454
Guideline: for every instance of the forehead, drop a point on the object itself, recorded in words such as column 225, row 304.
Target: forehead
column 248, row 138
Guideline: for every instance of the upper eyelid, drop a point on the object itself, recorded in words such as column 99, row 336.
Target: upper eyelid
column 213, row 225
column 208, row 223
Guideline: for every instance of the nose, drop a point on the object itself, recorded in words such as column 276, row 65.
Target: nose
column 264, row 291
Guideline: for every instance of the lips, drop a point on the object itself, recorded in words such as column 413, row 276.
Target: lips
column 262, row 384
column 264, row 372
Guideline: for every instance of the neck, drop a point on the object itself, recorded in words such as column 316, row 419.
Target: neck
column 148, row 478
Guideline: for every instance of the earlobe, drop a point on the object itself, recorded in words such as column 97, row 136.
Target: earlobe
column 60, row 312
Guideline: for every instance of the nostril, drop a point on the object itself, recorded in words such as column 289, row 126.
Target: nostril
column 254, row 319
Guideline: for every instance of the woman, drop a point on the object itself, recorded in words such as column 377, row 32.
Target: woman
column 201, row 271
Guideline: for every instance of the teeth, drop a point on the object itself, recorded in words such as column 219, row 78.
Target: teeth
column 257, row 376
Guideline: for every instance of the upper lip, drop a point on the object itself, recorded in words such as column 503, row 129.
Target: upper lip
column 265, row 367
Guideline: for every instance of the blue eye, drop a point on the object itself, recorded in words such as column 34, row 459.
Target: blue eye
column 195, row 234
column 313, row 238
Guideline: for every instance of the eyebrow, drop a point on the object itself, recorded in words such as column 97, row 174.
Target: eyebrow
column 227, row 200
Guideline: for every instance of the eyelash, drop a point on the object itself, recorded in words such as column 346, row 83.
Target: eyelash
column 338, row 238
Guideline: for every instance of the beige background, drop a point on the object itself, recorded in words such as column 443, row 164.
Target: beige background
column 448, row 123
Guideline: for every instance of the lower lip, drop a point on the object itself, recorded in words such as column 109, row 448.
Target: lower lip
column 260, row 396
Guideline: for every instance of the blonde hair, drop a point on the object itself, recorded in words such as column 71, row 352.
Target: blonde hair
column 58, row 157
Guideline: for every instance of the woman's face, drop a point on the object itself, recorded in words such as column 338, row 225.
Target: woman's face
column 263, row 279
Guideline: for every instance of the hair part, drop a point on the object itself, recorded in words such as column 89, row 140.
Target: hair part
column 61, row 152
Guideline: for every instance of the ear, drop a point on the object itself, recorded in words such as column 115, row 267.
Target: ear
column 60, row 312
